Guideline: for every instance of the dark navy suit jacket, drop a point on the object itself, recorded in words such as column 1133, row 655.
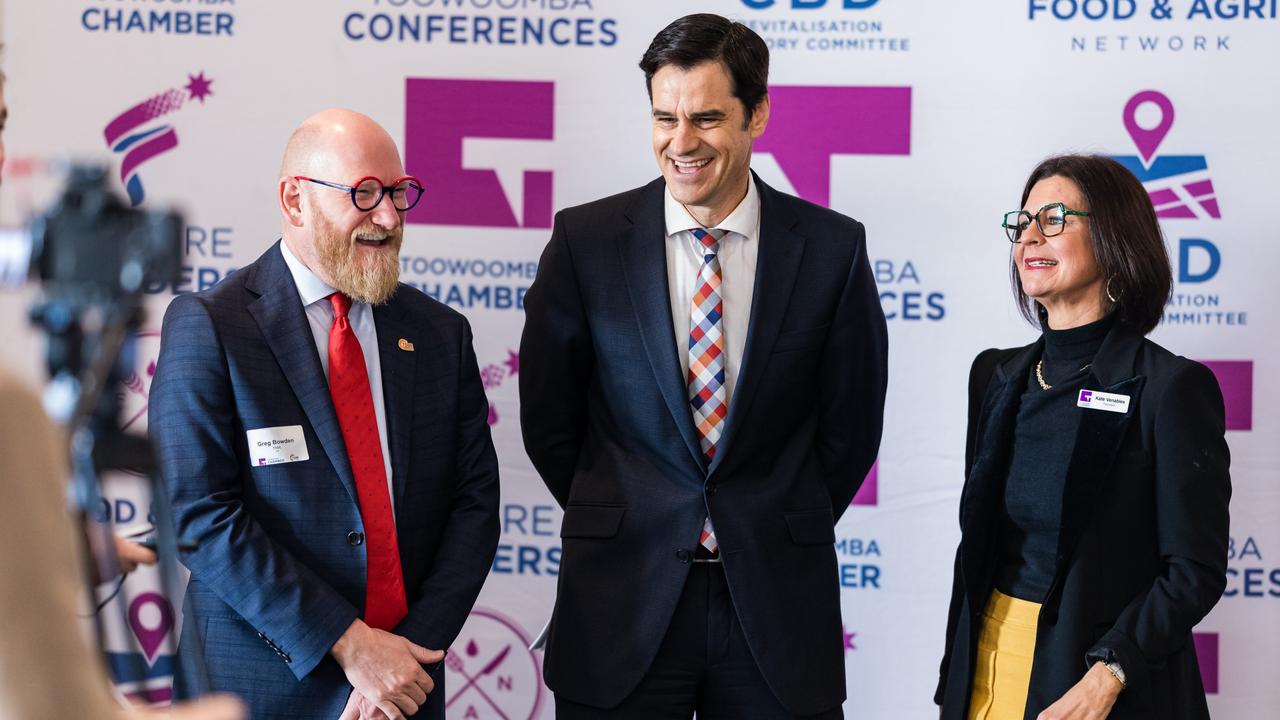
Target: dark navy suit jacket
column 608, row 426
column 280, row 569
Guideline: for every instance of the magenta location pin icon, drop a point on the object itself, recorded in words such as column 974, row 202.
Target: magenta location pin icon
column 1148, row 139
column 148, row 624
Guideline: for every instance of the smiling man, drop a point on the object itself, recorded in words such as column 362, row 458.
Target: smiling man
column 322, row 432
column 702, row 384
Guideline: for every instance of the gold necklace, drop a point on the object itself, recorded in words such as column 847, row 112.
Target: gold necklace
column 1040, row 374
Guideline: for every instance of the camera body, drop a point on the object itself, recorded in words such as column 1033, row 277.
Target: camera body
column 92, row 249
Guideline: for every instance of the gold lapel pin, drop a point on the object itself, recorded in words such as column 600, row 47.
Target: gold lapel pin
column 405, row 345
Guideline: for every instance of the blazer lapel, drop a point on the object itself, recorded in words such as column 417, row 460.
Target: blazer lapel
column 985, row 485
column 280, row 316
column 644, row 270
column 396, row 355
column 1098, row 441
column 777, row 263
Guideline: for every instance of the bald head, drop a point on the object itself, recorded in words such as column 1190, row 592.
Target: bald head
column 334, row 143
column 351, row 249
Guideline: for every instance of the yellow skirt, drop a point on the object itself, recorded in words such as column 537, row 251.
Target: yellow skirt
column 1006, row 646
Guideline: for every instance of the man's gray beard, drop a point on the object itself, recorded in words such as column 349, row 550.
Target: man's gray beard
column 369, row 282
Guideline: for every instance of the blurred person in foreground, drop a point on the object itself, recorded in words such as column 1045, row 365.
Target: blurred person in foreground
column 47, row 668
column 1094, row 523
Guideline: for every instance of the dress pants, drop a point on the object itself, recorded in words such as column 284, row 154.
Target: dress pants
column 1006, row 648
column 702, row 666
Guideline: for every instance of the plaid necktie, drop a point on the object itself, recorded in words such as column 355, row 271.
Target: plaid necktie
column 385, row 602
column 706, row 358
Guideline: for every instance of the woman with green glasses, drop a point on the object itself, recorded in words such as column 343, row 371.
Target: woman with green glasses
column 1094, row 524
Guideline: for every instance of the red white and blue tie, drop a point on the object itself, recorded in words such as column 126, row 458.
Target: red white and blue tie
column 706, row 358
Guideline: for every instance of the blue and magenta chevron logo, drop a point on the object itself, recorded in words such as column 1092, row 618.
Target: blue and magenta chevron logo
column 1179, row 185
column 137, row 136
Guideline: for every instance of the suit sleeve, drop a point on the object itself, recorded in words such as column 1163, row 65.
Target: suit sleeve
column 854, row 371
column 556, row 361
column 1193, row 488
column 470, row 536
column 979, row 379
column 194, row 429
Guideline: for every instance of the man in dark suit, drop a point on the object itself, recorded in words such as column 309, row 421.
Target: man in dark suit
column 322, row 432
column 702, row 385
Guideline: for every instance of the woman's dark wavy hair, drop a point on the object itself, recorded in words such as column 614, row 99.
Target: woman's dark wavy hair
column 695, row 39
column 1127, row 243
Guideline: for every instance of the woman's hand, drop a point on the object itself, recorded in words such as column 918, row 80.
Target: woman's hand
column 1089, row 699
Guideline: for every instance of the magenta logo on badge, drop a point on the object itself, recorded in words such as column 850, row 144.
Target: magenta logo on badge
column 491, row 671
column 482, row 148
column 1235, row 377
column 1179, row 185
column 139, row 135
column 1207, row 655
column 810, row 125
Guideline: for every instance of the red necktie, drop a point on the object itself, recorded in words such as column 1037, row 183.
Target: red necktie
column 385, row 603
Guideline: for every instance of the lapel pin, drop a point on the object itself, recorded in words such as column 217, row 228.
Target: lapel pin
column 405, row 345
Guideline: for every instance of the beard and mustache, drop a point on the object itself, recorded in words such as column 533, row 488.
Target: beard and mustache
column 364, row 275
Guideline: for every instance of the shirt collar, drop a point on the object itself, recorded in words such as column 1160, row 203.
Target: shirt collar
column 744, row 220
column 310, row 287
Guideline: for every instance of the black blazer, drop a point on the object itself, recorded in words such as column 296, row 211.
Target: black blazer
column 1142, row 548
column 608, row 426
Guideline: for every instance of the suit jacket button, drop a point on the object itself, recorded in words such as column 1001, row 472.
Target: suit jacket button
column 712, row 488
column 355, row 538
column 683, row 556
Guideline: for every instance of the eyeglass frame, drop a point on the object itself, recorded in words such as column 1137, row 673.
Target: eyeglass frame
column 1036, row 217
column 383, row 190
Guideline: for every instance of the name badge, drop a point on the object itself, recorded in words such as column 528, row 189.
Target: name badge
column 275, row 445
column 1095, row 400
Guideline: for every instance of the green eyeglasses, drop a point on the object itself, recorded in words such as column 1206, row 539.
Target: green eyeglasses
column 1050, row 219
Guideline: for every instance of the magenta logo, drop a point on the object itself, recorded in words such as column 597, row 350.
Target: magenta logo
column 134, row 135
column 1086, row 396
column 491, row 671
column 868, row 493
column 1179, row 185
column 1235, row 377
column 808, row 125
column 151, row 619
column 1207, row 656
column 494, row 374
column 469, row 141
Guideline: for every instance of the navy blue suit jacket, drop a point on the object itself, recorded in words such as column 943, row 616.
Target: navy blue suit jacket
column 607, row 424
column 280, row 569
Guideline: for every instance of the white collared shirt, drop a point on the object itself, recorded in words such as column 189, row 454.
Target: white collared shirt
column 315, row 302
column 738, row 250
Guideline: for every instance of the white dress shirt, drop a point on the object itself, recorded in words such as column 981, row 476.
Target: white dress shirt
column 319, row 309
column 738, row 250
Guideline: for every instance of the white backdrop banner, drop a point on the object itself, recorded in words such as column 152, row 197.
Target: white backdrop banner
column 921, row 118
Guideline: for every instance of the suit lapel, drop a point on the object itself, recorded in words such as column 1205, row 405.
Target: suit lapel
column 985, row 484
column 1098, row 441
column 644, row 270
column 280, row 316
column 398, row 365
column 777, row 264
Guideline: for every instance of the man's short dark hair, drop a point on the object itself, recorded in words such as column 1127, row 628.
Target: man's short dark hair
column 695, row 39
column 1127, row 244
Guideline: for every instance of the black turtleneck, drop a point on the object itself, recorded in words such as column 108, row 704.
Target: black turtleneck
column 1043, row 439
